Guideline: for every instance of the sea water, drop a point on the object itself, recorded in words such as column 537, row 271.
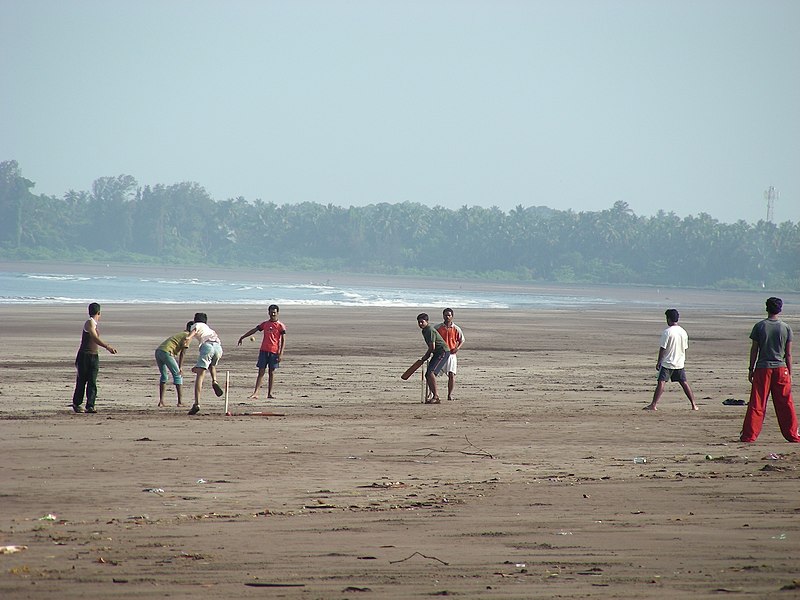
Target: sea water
column 29, row 287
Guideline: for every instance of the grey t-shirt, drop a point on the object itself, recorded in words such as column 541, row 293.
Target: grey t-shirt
column 771, row 337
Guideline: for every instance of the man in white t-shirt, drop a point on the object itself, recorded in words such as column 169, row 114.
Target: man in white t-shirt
column 671, row 357
column 210, row 353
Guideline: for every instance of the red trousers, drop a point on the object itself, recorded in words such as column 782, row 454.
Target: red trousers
column 779, row 383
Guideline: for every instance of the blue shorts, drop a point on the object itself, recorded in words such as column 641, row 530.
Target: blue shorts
column 666, row 374
column 268, row 359
column 437, row 363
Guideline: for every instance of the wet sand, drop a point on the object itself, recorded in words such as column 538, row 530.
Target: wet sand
column 525, row 486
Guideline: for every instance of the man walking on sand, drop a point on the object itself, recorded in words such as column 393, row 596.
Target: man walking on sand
column 87, row 362
column 671, row 358
column 454, row 338
column 210, row 353
column 437, row 350
column 770, row 372
column 272, row 347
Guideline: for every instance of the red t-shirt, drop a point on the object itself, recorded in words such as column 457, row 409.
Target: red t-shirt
column 273, row 330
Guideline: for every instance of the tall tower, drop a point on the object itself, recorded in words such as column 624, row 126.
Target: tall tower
column 770, row 195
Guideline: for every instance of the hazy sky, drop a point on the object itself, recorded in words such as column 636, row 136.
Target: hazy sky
column 689, row 106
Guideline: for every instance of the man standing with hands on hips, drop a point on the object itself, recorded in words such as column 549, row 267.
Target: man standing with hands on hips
column 770, row 372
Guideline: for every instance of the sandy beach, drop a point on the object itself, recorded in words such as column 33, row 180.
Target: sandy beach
column 525, row 486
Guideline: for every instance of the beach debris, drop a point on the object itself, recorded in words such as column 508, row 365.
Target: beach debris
column 351, row 588
column 320, row 504
column 12, row 549
column 49, row 517
column 154, row 490
column 391, row 562
column 780, row 536
column 272, row 585
column 384, row 485
column 772, row 468
column 795, row 585
column 773, row 456
column 639, row 460
column 476, row 452
column 733, row 402
column 201, row 480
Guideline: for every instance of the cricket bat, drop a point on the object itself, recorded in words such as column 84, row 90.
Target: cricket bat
column 412, row 369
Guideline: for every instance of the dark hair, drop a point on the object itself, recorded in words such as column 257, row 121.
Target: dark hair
column 422, row 317
column 774, row 305
column 275, row 306
column 189, row 325
column 200, row 318
column 672, row 315
column 447, row 310
column 94, row 309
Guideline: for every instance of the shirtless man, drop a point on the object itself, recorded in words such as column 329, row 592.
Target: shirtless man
column 87, row 362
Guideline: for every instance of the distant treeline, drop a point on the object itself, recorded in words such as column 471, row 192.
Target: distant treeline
column 181, row 224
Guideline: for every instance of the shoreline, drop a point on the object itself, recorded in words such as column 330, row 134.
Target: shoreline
column 686, row 298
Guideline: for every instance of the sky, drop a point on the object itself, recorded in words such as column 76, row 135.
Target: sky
column 687, row 106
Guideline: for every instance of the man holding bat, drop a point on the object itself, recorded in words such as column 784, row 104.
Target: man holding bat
column 438, row 353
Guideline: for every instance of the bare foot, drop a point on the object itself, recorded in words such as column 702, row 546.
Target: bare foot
column 649, row 407
column 253, row 396
column 180, row 404
column 695, row 407
column 161, row 405
column 270, row 397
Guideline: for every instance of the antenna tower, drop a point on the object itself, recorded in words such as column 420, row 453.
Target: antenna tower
column 770, row 195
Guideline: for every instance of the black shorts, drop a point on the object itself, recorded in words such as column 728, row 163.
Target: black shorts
column 666, row 374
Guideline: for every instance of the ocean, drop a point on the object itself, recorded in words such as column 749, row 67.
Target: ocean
column 149, row 285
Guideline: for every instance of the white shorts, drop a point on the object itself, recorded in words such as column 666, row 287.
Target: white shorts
column 210, row 353
column 451, row 366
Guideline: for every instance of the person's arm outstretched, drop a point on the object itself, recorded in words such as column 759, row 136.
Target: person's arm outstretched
column 248, row 334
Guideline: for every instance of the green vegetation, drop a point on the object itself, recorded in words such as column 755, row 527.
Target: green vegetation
column 181, row 224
